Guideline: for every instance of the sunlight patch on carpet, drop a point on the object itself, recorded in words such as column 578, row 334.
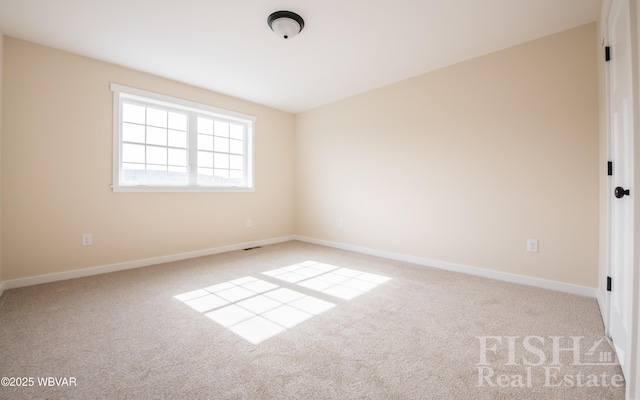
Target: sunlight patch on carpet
column 254, row 309
column 344, row 283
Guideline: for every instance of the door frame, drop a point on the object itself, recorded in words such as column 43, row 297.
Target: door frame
column 632, row 381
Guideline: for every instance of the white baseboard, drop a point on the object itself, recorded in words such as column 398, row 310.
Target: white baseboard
column 80, row 273
column 503, row 276
column 485, row 273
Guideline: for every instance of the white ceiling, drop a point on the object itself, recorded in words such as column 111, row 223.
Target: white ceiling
column 347, row 46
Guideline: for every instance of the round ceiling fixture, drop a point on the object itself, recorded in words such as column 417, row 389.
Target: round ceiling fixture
column 286, row 24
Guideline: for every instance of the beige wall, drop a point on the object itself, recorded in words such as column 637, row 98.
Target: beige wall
column 56, row 172
column 465, row 163
column 460, row 165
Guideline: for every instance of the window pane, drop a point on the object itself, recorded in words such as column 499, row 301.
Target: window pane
column 178, row 175
column 205, row 159
column 132, row 113
column 221, row 173
column 178, row 157
column 177, row 121
column 130, row 171
column 221, row 160
column 156, row 136
column 221, row 128
column 133, row 176
column 236, row 147
column 205, row 126
column 156, row 174
column 133, row 153
column 156, row 117
column 178, row 139
column 132, row 133
column 237, row 132
column 156, row 155
column 205, row 171
column 221, row 144
column 236, row 175
column 205, row 142
column 136, row 167
column 178, row 170
column 205, row 176
column 236, row 162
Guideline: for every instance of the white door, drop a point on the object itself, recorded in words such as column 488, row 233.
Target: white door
column 622, row 191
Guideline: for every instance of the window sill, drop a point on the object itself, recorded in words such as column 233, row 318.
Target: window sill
column 179, row 189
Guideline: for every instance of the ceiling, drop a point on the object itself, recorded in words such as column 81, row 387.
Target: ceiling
column 347, row 46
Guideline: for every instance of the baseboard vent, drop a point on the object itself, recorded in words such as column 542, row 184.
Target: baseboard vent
column 252, row 248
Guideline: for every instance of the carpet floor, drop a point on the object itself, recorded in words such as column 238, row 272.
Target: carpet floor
column 301, row 321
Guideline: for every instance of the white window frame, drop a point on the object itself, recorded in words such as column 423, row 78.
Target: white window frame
column 194, row 109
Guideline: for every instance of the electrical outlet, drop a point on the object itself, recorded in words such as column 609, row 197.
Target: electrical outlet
column 87, row 239
column 249, row 223
column 532, row 245
column 340, row 224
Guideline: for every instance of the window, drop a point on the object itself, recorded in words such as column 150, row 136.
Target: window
column 167, row 144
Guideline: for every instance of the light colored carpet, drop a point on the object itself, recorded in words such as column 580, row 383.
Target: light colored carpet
column 334, row 325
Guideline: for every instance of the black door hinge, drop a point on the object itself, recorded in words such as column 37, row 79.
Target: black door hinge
column 608, row 283
column 607, row 53
column 609, row 168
